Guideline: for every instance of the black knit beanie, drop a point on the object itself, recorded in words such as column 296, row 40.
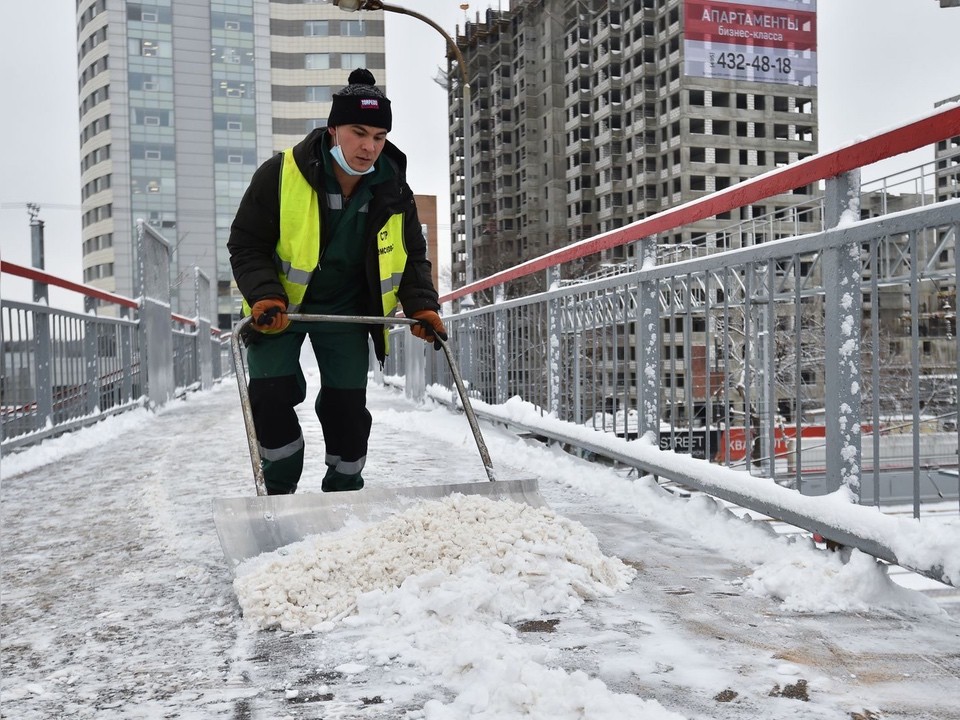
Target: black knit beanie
column 361, row 103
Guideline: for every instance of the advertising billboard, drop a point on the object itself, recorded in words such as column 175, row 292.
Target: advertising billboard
column 771, row 41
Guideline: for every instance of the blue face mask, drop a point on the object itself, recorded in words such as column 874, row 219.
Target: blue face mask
column 337, row 152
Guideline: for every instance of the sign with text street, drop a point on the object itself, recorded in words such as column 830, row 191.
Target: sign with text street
column 772, row 41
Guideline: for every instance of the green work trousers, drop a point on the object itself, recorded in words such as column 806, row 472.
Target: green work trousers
column 277, row 386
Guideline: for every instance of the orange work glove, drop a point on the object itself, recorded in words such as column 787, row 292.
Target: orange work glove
column 270, row 315
column 430, row 324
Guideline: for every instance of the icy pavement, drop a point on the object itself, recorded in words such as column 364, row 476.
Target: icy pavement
column 117, row 602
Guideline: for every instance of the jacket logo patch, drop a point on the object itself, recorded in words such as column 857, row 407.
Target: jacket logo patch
column 369, row 104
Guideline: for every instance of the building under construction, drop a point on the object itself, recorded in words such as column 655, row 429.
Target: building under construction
column 590, row 115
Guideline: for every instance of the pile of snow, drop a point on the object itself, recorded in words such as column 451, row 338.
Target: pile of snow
column 542, row 563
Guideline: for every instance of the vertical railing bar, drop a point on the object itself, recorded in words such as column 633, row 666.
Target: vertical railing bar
column 875, row 364
column 708, row 372
column 673, row 362
column 726, row 363
column 747, row 373
column 623, row 342
column 915, row 366
column 769, row 368
column 615, row 365
column 602, row 355
column 955, row 228
column 798, row 370
column 687, row 359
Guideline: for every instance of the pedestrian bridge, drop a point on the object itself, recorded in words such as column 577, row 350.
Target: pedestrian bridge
column 800, row 368
column 118, row 602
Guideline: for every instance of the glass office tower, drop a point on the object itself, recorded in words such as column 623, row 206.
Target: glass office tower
column 180, row 100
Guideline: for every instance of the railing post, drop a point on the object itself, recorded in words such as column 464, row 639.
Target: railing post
column 203, row 306
column 466, row 339
column 842, row 321
column 126, row 359
column 501, row 358
column 374, row 363
column 43, row 368
column 90, row 355
column 43, row 358
column 765, row 327
column 156, row 336
column 553, row 343
column 648, row 345
column 577, row 369
column 414, row 367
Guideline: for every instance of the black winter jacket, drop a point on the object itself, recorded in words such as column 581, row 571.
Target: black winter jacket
column 256, row 231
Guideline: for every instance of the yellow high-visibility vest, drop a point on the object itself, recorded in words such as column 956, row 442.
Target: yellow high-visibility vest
column 298, row 250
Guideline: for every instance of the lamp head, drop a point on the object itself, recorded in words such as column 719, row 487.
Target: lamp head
column 354, row 5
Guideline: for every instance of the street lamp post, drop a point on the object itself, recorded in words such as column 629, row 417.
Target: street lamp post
column 354, row 6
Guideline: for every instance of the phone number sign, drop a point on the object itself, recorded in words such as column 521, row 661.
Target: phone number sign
column 772, row 41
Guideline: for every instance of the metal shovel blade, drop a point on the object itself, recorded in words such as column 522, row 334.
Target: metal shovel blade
column 251, row 526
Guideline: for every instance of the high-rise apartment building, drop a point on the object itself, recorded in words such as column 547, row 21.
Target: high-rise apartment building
column 180, row 100
column 590, row 115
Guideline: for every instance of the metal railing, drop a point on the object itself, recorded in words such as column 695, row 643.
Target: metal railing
column 823, row 361
column 802, row 359
column 63, row 369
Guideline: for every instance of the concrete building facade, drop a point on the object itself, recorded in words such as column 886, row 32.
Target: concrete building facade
column 180, row 101
column 589, row 115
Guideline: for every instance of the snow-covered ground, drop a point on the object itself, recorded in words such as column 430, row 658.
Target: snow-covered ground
column 620, row 600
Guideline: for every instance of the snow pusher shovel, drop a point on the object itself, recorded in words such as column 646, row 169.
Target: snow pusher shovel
column 250, row 526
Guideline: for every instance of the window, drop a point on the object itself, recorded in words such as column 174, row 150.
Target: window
column 148, row 17
column 231, row 25
column 317, row 61
column 352, row 28
column 148, row 48
column 318, row 93
column 235, row 159
column 316, row 28
column 234, row 125
column 151, row 154
column 349, row 61
column 149, row 85
column 151, row 120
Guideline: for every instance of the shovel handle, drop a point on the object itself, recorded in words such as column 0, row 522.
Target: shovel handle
column 240, row 370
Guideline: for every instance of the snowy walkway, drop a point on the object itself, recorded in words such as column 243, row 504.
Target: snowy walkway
column 117, row 603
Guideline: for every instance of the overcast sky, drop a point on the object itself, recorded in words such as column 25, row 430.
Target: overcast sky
column 881, row 62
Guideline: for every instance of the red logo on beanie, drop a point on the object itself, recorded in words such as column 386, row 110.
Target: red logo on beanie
column 369, row 104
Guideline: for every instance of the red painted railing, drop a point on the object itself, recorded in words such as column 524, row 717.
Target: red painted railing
column 87, row 290
column 36, row 275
